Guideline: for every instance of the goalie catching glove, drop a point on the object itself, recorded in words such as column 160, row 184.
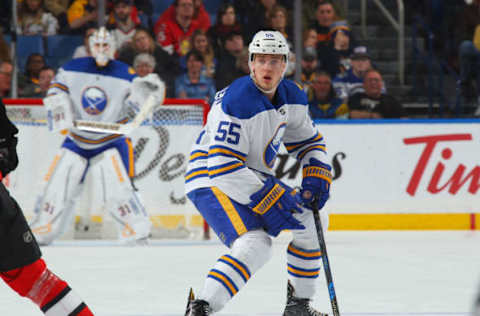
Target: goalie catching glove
column 317, row 178
column 151, row 84
column 276, row 203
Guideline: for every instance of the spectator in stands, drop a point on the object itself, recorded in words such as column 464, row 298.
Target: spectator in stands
column 309, row 66
column 144, row 64
column 278, row 20
column 232, row 47
column 59, row 9
column 372, row 103
column 81, row 15
column 326, row 15
column 241, row 63
column 166, row 66
column 226, row 23
column 258, row 18
column 28, row 82
column 351, row 81
column 44, row 79
column 34, row 20
column 193, row 84
column 84, row 50
column 6, row 70
column 468, row 22
column 201, row 18
column 323, row 103
column 309, row 11
column 200, row 42
column 4, row 49
column 310, row 38
column 335, row 57
column 174, row 36
column 122, row 24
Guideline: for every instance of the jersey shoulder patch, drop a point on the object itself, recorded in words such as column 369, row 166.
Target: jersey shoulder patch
column 243, row 100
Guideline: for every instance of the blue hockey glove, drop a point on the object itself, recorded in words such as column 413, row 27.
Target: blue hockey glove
column 276, row 203
column 316, row 183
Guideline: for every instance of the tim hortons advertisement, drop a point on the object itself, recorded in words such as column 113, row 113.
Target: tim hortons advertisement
column 378, row 168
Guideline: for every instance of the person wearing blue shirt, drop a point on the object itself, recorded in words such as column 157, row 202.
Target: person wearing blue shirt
column 193, row 84
column 323, row 102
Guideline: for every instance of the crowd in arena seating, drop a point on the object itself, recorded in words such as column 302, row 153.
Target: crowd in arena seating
column 199, row 47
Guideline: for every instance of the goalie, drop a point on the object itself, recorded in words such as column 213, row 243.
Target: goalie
column 231, row 182
column 100, row 90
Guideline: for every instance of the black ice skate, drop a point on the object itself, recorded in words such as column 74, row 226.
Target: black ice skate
column 197, row 307
column 298, row 306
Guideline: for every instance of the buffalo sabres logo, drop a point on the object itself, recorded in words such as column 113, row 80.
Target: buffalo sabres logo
column 94, row 100
column 273, row 146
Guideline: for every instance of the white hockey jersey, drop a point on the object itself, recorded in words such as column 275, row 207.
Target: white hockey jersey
column 244, row 131
column 97, row 94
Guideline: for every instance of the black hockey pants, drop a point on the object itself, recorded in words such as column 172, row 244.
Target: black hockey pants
column 18, row 246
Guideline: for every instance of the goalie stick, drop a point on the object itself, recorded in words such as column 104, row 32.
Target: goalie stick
column 326, row 264
column 117, row 128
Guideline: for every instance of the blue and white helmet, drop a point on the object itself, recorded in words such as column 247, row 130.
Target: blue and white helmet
column 102, row 46
column 268, row 42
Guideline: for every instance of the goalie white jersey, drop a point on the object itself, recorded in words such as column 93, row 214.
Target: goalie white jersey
column 243, row 134
column 97, row 94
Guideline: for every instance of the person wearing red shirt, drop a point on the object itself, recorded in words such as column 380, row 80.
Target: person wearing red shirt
column 174, row 35
column 200, row 16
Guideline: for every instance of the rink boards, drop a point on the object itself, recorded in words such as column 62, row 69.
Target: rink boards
column 387, row 174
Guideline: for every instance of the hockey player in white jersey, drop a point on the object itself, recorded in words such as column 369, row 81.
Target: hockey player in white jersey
column 230, row 180
column 97, row 89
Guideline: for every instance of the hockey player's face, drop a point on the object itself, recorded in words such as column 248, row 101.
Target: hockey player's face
column 268, row 70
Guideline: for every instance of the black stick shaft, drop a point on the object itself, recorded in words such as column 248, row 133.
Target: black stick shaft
column 326, row 264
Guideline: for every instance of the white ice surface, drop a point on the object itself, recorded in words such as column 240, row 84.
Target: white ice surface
column 375, row 273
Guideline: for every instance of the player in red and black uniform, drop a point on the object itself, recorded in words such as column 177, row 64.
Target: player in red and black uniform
column 21, row 265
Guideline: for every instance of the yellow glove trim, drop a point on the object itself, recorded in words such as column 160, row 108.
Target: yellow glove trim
column 269, row 200
column 317, row 172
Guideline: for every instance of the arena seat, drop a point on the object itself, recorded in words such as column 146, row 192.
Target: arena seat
column 212, row 6
column 60, row 48
column 27, row 45
column 161, row 5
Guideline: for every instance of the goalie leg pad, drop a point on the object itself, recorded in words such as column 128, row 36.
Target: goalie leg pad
column 232, row 271
column 123, row 203
column 54, row 209
column 45, row 289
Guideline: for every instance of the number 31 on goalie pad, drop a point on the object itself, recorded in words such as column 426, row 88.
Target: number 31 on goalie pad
column 59, row 112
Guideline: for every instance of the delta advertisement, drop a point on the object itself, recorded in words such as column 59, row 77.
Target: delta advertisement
column 387, row 175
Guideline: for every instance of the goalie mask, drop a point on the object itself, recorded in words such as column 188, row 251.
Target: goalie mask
column 271, row 43
column 102, row 46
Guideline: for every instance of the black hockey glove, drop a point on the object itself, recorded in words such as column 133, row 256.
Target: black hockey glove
column 8, row 156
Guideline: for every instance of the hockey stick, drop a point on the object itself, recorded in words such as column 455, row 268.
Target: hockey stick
column 117, row 128
column 326, row 264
